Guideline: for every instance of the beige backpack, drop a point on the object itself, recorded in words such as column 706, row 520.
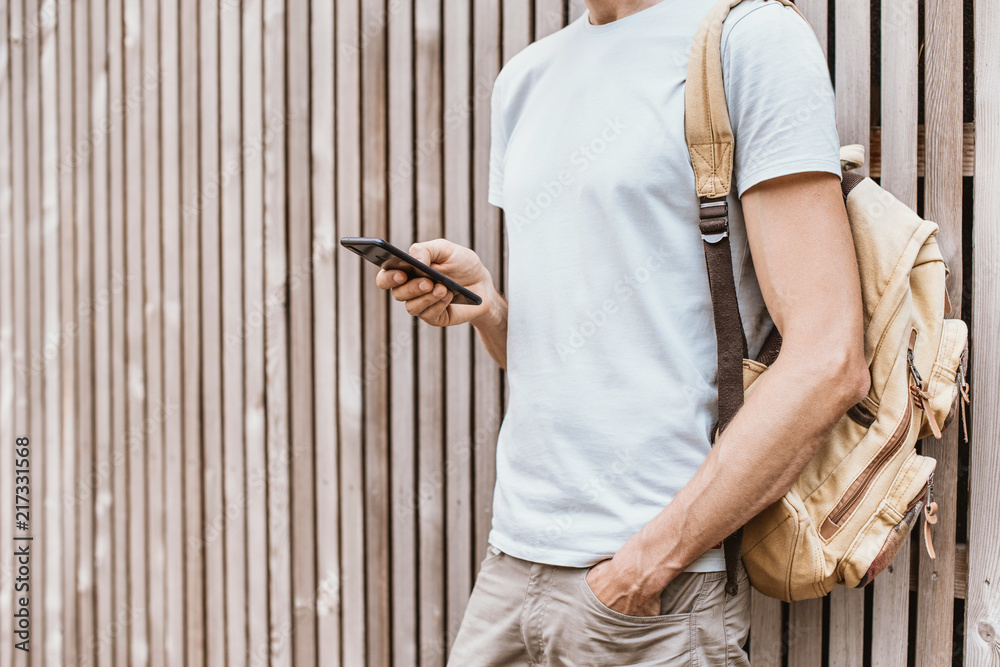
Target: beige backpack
column 856, row 501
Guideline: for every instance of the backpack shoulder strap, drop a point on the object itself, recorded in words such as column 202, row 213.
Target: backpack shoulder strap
column 710, row 141
column 707, row 128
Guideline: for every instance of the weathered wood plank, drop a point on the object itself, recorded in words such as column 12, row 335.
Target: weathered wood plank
column 402, row 337
column 173, row 427
column 135, row 441
column 943, row 204
column 459, row 97
column 79, row 162
column 117, row 277
column 300, row 257
column 430, row 341
column 33, row 366
column 982, row 611
column 234, row 485
column 153, row 289
column 324, row 285
column 212, row 544
column 375, row 380
column 251, row 333
column 51, row 639
column 805, row 633
column 194, row 568
column 487, row 240
column 276, row 335
column 99, row 488
column 766, row 646
column 349, row 341
column 900, row 51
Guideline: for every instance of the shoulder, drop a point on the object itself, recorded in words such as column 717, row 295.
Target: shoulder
column 764, row 20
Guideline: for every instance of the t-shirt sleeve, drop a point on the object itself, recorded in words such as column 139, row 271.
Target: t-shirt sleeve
column 781, row 101
column 498, row 144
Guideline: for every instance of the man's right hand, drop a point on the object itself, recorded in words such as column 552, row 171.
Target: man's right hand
column 433, row 302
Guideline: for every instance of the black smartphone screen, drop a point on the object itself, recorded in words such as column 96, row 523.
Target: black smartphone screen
column 387, row 256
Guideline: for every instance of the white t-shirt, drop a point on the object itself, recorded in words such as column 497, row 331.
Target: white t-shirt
column 611, row 353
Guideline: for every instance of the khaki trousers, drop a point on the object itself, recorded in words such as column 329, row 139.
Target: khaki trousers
column 525, row 613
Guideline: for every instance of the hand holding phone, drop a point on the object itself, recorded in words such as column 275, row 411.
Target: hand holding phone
column 439, row 281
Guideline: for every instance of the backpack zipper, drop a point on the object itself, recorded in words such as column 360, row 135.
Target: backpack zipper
column 852, row 498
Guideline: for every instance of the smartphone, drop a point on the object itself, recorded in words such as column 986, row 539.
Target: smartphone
column 387, row 256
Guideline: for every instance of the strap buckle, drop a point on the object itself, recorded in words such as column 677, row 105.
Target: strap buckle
column 714, row 216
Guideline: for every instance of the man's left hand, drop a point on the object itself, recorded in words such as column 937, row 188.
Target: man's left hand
column 617, row 589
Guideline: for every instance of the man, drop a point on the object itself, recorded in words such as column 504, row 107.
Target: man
column 610, row 500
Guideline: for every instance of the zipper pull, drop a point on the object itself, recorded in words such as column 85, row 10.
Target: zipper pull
column 918, row 390
column 930, row 517
column 963, row 390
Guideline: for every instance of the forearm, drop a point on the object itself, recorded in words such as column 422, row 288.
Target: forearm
column 755, row 461
column 492, row 328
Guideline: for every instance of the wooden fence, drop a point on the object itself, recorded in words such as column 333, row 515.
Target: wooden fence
column 242, row 452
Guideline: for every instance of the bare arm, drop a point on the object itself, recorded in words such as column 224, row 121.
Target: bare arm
column 433, row 303
column 806, row 265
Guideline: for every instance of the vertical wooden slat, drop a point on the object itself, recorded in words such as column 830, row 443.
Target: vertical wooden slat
column 191, row 196
column 233, row 518
column 212, row 652
column 7, row 430
column 252, row 335
column 52, row 567
column 80, row 165
column 33, row 365
column 375, row 380
column 173, row 331
column 982, row 616
column 153, row 290
column 853, row 84
column 942, row 204
column 517, row 28
column 766, row 646
column 402, row 417
column 459, row 98
column 487, row 236
column 99, row 486
column 276, row 336
column 324, row 285
column 805, row 633
column 300, row 381
column 349, row 342
column 900, row 52
column 138, row 630
column 430, row 361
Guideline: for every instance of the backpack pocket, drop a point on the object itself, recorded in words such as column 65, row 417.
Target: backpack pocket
column 946, row 385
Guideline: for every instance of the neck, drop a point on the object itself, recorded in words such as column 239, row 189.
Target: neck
column 606, row 11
